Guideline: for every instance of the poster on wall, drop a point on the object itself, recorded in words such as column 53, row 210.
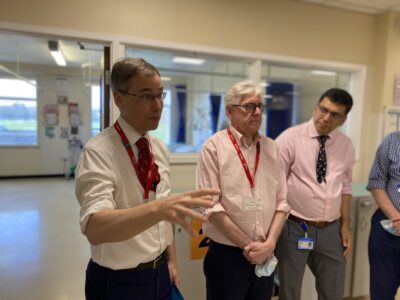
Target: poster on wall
column 49, row 132
column 64, row 132
column 73, row 113
column 50, row 114
column 61, row 85
column 62, row 99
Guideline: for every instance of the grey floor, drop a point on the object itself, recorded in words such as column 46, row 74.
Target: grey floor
column 43, row 255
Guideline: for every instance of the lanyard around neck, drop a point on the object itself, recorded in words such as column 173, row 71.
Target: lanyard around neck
column 128, row 147
column 243, row 161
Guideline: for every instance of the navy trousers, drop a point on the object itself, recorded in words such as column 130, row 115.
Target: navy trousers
column 106, row 284
column 229, row 276
column 384, row 260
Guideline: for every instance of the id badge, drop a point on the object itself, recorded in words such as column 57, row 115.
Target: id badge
column 305, row 243
column 251, row 203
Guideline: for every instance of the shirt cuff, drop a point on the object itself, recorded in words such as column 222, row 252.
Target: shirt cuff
column 87, row 213
column 376, row 184
column 215, row 209
column 283, row 207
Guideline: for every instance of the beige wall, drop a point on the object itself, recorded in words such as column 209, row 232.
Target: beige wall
column 266, row 26
column 51, row 156
column 271, row 26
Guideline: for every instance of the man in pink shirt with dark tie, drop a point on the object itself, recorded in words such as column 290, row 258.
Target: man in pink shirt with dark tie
column 318, row 160
column 248, row 216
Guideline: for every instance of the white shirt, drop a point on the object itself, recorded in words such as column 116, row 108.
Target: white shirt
column 106, row 178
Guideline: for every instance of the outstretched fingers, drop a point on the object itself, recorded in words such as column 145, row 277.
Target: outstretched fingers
column 203, row 193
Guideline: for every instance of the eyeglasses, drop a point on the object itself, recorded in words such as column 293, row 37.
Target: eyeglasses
column 334, row 115
column 148, row 97
column 251, row 107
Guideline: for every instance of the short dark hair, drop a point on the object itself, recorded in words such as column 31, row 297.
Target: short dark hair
column 338, row 96
column 126, row 68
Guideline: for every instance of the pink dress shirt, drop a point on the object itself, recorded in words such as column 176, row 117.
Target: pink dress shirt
column 220, row 167
column 308, row 199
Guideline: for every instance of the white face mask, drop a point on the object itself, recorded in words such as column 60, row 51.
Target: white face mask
column 267, row 268
column 388, row 226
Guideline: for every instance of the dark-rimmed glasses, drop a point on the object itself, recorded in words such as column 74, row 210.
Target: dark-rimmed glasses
column 148, row 97
column 333, row 114
column 251, row 107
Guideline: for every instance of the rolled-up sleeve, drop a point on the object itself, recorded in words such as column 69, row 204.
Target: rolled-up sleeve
column 207, row 174
column 348, row 173
column 379, row 174
column 281, row 195
column 94, row 185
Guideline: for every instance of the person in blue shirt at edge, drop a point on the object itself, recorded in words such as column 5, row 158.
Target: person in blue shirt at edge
column 123, row 187
column 384, row 245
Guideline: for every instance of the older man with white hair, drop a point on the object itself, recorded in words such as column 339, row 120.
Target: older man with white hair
column 248, row 215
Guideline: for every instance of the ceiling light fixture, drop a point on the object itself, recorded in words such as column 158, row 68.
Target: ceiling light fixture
column 188, row 60
column 56, row 53
column 164, row 78
column 323, row 72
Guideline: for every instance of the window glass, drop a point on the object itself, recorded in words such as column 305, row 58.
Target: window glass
column 293, row 92
column 18, row 113
column 193, row 108
column 95, row 109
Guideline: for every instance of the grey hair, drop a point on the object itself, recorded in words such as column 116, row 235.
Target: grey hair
column 126, row 68
column 241, row 88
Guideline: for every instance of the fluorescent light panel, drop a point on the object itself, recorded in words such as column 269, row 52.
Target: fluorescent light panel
column 323, row 72
column 59, row 58
column 54, row 47
column 188, row 60
column 164, row 78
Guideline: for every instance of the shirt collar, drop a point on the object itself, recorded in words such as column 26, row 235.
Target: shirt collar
column 239, row 137
column 312, row 132
column 131, row 133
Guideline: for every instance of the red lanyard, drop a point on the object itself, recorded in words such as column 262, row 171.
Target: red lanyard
column 128, row 148
column 243, row 161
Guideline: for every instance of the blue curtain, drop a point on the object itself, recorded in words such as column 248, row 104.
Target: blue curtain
column 215, row 101
column 181, row 97
column 279, row 107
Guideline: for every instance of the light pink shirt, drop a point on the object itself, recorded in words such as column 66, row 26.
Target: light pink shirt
column 309, row 199
column 220, row 167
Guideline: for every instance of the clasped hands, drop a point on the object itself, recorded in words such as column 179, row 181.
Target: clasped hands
column 258, row 252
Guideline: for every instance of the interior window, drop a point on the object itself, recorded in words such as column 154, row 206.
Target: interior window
column 18, row 112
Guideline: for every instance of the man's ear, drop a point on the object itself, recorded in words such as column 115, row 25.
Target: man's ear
column 117, row 98
column 228, row 111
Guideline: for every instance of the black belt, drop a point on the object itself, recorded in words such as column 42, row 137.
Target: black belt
column 318, row 224
column 154, row 264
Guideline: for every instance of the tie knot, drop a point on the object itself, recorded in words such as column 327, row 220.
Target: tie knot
column 322, row 139
column 142, row 143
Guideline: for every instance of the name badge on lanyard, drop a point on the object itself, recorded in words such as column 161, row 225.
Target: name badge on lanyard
column 305, row 242
column 252, row 203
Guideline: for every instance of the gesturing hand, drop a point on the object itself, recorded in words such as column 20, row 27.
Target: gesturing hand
column 176, row 208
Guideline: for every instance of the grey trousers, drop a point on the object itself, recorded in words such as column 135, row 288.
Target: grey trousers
column 326, row 261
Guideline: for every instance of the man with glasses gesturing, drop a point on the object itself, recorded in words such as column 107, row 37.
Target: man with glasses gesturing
column 123, row 187
column 248, row 215
column 318, row 160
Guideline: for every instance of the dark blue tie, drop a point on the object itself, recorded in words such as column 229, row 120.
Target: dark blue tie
column 321, row 160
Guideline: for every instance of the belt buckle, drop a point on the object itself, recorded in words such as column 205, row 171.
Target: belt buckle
column 156, row 261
